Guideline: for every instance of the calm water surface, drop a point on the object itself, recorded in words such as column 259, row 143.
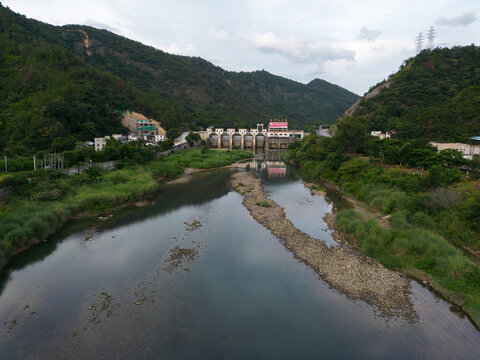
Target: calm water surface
column 195, row 277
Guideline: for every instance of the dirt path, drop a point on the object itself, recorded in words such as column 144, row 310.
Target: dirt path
column 344, row 268
column 357, row 206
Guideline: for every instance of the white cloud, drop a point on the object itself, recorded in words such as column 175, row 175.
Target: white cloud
column 368, row 34
column 460, row 20
column 218, row 34
column 176, row 49
column 299, row 50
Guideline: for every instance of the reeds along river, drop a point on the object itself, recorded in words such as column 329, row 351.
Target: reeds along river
column 193, row 276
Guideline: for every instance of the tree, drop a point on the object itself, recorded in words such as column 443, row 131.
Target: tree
column 442, row 176
column 351, row 133
column 192, row 138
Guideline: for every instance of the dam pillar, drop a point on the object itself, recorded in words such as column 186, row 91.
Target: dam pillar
column 242, row 133
column 230, row 133
column 219, row 133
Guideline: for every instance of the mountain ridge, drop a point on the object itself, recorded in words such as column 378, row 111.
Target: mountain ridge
column 433, row 96
column 63, row 84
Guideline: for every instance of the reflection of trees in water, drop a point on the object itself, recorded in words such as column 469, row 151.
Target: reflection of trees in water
column 205, row 187
column 273, row 155
column 31, row 256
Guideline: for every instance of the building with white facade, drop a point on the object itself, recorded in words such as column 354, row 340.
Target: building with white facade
column 100, row 142
column 379, row 134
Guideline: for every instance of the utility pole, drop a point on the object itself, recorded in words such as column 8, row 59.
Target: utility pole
column 419, row 41
column 431, row 36
column 6, row 167
column 34, row 163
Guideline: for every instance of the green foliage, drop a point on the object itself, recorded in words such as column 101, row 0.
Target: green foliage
column 54, row 93
column 351, row 133
column 407, row 247
column 439, row 175
column 437, row 200
column 165, row 145
column 93, row 173
column 192, row 138
column 434, row 96
column 42, row 201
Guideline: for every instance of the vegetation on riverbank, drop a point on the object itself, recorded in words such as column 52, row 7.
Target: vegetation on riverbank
column 41, row 201
column 434, row 95
column 62, row 85
column 433, row 212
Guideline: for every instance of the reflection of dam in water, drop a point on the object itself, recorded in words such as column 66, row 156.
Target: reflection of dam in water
column 271, row 164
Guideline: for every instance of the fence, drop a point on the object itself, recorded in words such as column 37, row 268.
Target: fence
column 173, row 149
column 107, row 165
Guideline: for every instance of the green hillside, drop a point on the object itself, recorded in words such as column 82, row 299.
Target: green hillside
column 435, row 96
column 54, row 90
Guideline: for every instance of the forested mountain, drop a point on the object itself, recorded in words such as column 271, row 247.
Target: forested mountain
column 435, row 96
column 63, row 84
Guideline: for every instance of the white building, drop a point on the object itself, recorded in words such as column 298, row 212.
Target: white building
column 468, row 150
column 381, row 135
column 280, row 129
column 101, row 142
column 159, row 138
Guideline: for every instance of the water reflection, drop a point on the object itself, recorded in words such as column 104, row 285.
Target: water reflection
column 233, row 290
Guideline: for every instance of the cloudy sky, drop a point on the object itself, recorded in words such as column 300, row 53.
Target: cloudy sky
column 352, row 43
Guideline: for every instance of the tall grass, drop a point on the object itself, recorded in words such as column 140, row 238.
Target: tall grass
column 406, row 246
column 44, row 201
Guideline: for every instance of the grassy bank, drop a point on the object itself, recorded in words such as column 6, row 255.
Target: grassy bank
column 434, row 217
column 41, row 202
column 406, row 247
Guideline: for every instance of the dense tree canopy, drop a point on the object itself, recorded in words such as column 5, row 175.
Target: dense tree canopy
column 55, row 92
column 435, row 95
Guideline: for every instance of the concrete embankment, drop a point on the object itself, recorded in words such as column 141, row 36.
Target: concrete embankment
column 344, row 268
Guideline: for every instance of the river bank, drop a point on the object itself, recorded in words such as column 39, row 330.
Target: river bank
column 42, row 202
column 416, row 274
column 344, row 268
column 398, row 221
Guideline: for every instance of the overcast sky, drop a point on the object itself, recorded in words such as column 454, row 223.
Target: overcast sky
column 352, row 43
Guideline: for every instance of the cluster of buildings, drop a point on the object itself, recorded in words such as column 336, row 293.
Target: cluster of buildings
column 468, row 150
column 148, row 131
column 152, row 140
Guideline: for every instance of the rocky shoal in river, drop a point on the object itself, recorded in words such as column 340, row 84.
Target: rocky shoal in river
column 344, row 268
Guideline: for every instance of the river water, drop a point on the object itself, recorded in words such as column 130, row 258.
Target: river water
column 193, row 276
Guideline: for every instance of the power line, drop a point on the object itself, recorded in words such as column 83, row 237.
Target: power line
column 419, row 42
column 431, row 36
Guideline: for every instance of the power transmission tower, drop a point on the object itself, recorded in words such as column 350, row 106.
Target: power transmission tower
column 419, row 41
column 431, row 36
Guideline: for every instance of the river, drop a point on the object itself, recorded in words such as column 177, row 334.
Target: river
column 194, row 276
